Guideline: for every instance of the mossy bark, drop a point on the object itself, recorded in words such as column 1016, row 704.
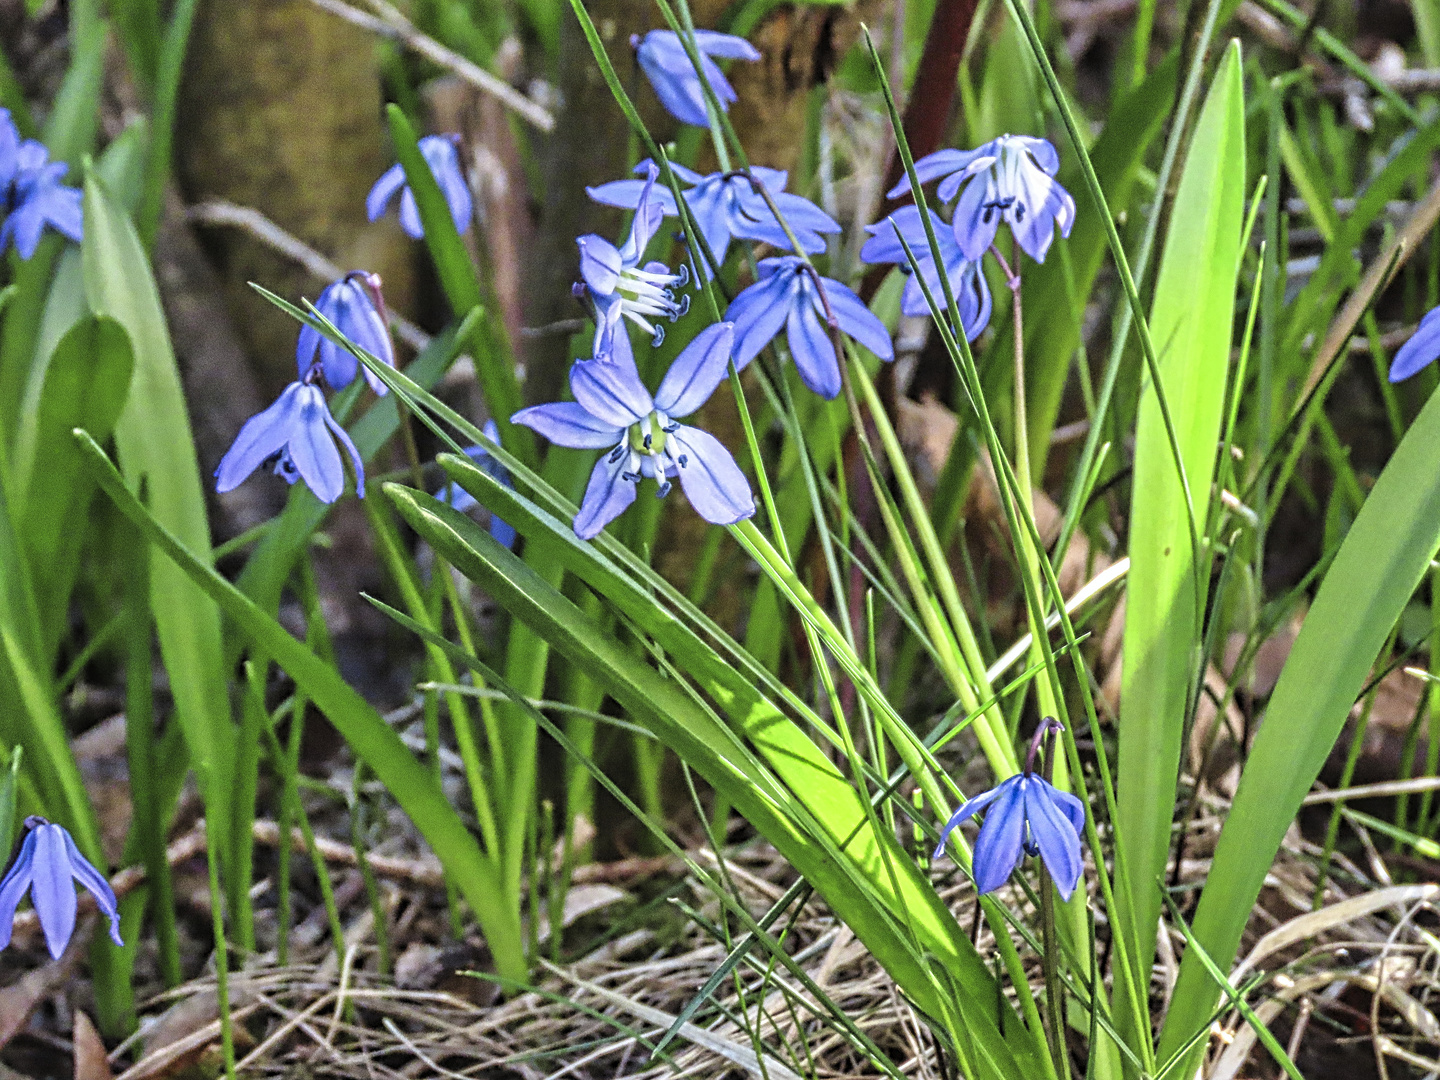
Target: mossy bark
column 280, row 110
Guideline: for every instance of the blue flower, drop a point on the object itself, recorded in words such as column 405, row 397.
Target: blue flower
column 444, row 161
column 355, row 306
column 1422, row 348
column 33, row 195
column 662, row 57
column 1012, row 177
column 613, row 411
column 617, row 283
column 463, row 501
column 787, row 295
column 726, row 206
column 1028, row 816
column 972, row 294
column 47, row 863
column 294, row 433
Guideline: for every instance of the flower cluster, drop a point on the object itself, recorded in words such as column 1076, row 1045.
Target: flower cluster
column 45, row 867
column 32, row 194
column 297, row 435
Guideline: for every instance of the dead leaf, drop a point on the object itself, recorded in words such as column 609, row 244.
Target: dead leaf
column 20, row 999
column 91, row 1062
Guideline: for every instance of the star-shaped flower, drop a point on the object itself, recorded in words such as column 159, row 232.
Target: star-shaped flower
column 726, row 206
column 298, row 434
column 441, row 155
column 1011, row 178
column 972, row 294
column 788, row 296
column 354, row 305
column 613, row 411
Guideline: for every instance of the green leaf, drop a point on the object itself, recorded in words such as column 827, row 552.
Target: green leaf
column 85, row 385
column 155, row 448
column 1382, row 561
column 1191, row 323
column 373, row 740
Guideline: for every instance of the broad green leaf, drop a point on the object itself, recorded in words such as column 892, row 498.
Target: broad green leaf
column 1382, row 561
column 155, row 448
column 85, row 385
column 776, row 809
column 373, row 740
column 1191, row 325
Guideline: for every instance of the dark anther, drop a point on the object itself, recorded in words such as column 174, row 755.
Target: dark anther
column 664, row 490
column 673, row 427
column 647, row 442
column 615, row 454
column 684, row 460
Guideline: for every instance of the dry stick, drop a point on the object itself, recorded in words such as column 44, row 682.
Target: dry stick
column 1377, row 276
column 391, row 24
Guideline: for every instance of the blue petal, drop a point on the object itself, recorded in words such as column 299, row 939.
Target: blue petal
column 758, row 314
column 391, row 181
column 600, row 263
column 1422, row 348
column 1000, row 845
column 975, row 227
column 725, row 45
column 697, row 371
column 678, row 88
column 9, row 157
column 626, row 194
column 606, row 496
column 857, row 320
column 567, row 423
column 444, row 160
column 96, row 884
column 1054, row 834
column 356, row 461
column 13, row 888
column 713, row 483
column 709, row 202
column 610, row 392
column 940, row 163
column 410, row 215
column 263, row 436
column 971, row 808
column 51, row 891
column 812, row 350
column 947, row 188
column 312, row 450
column 1042, row 150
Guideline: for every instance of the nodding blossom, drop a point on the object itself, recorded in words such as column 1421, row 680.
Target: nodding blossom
column 663, row 59
column 972, row 294
column 613, row 411
column 726, row 206
column 463, row 501
column 619, row 286
column 32, row 193
column 297, row 435
column 788, row 297
column 1027, row 815
column 441, row 155
column 1422, row 348
column 356, row 308
column 1010, row 178
column 48, row 864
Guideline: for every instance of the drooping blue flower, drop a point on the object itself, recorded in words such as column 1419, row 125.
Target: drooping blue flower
column 1010, row 178
column 355, row 306
column 620, row 287
column 726, row 206
column 441, row 155
column 463, row 501
column 47, row 865
column 972, row 294
column 1422, row 348
column 1027, row 815
column 613, row 411
column 296, row 435
column 788, row 297
column 662, row 57
column 33, row 195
